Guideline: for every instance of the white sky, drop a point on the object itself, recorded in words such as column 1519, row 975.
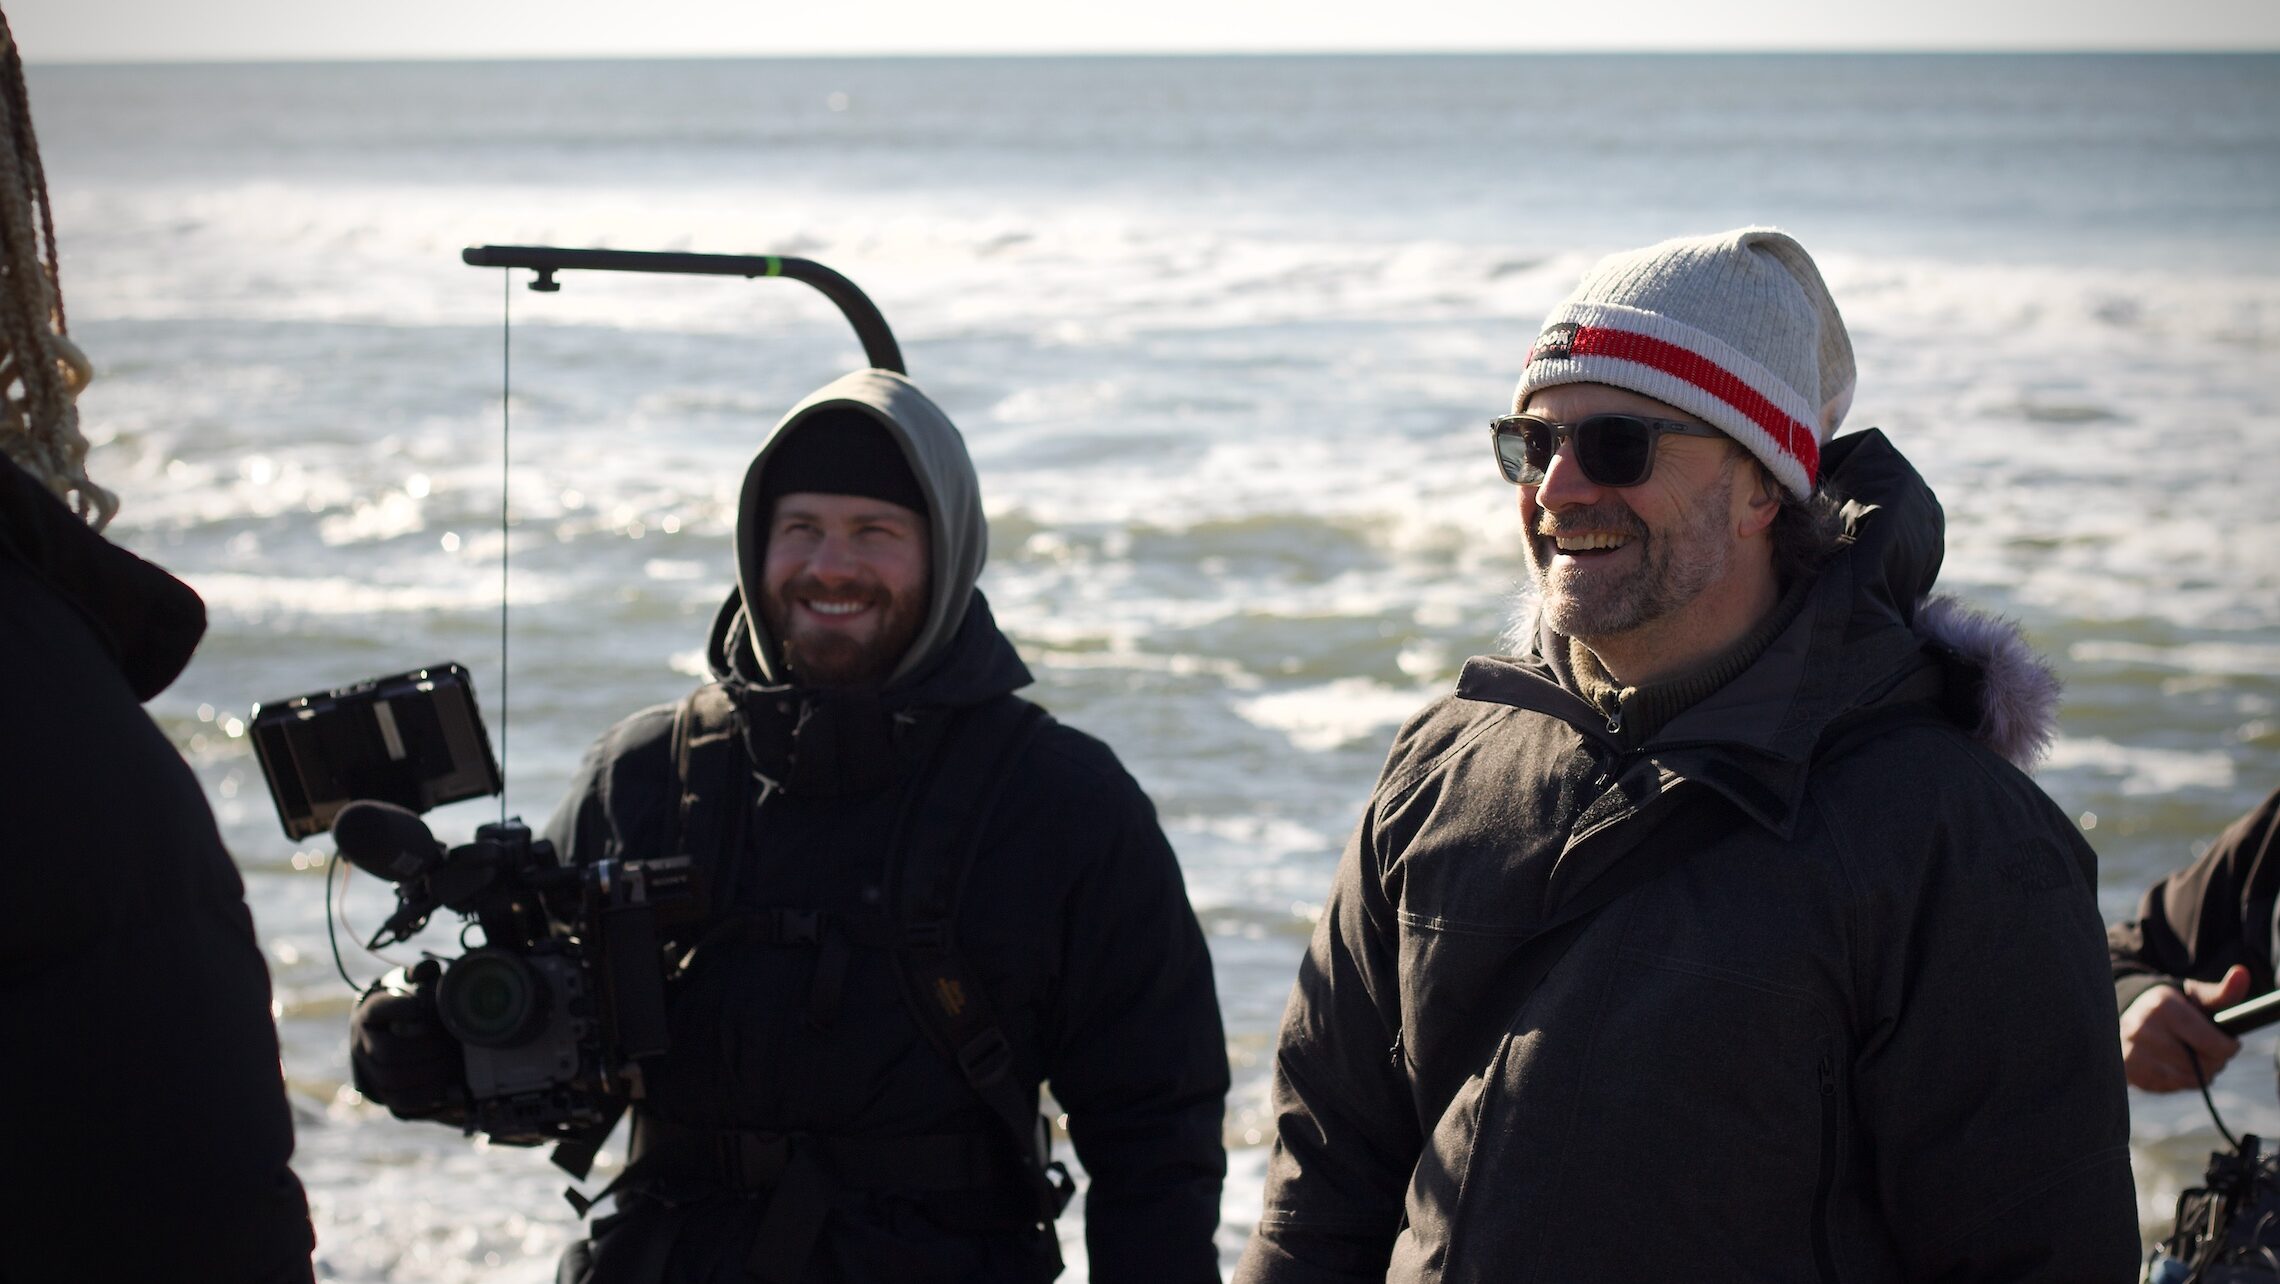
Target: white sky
column 168, row 30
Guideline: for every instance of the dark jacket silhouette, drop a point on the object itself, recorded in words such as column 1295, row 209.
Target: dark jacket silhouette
column 146, row 1134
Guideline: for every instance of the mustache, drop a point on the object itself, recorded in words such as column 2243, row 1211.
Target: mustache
column 1615, row 517
column 811, row 587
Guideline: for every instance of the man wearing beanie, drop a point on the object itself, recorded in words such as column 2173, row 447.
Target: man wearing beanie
column 926, row 898
column 1715, row 933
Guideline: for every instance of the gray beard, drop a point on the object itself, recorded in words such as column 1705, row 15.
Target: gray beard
column 1675, row 566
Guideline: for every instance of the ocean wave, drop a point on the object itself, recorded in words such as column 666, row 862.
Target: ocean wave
column 2141, row 770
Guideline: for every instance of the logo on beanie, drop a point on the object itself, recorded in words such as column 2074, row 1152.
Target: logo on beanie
column 1556, row 342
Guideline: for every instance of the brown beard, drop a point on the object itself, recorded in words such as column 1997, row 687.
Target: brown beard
column 833, row 659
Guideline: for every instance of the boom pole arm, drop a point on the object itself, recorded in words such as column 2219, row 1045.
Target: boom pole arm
column 879, row 346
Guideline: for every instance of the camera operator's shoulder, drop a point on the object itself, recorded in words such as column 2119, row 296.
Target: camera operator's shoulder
column 1063, row 759
column 1084, row 822
column 639, row 735
column 620, row 787
column 632, row 757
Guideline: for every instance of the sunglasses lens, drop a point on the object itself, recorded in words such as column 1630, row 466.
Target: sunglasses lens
column 1614, row 450
column 1523, row 450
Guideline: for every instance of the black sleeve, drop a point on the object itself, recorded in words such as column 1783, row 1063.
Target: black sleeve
column 1346, row 1135
column 2206, row 917
column 146, row 1133
column 1138, row 1058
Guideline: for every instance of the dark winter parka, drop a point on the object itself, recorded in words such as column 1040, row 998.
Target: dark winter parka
column 1861, row 1031
column 1074, row 917
column 146, row 1134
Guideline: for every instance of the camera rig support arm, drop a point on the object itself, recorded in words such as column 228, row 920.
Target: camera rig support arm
column 879, row 346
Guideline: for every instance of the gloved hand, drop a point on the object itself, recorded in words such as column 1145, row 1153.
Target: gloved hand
column 399, row 1052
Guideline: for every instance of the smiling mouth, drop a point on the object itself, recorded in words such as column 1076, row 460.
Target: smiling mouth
column 835, row 610
column 1589, row 544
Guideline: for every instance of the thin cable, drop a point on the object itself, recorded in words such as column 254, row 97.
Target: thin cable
column 506, row 419
column 332, row 934
column 2206, row 1099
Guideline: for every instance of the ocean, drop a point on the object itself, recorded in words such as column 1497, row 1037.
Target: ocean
column 1222, row 334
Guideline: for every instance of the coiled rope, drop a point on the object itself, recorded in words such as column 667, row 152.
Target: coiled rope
column 41, row 370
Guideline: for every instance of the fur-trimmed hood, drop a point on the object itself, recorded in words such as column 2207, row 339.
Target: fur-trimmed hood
column 1992, row 684
column 2017, row 690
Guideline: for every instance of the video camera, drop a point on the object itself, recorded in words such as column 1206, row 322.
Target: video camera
column 555, row 1011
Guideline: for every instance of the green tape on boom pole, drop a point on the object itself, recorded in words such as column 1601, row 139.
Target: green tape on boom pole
column 775, row 266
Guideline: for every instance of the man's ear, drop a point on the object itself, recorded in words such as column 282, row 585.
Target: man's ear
column 1756, row 506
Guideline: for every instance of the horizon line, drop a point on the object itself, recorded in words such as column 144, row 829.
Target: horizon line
column 978, row 55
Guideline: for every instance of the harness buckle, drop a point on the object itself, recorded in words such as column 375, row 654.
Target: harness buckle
column 986, row 1057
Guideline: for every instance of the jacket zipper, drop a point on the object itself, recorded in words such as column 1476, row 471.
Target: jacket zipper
column 1824, row 1256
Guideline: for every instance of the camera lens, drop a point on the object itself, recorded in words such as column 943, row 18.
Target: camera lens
column 491, row 999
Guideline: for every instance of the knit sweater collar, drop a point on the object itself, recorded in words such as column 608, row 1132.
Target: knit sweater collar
column 1636, row 713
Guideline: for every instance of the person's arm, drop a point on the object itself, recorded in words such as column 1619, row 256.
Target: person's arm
column 1138, row 1058
column 2201, row 941
column 1346, row 1136
column 1985, row 1075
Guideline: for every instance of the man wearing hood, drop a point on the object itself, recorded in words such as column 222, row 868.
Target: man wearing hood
column 816, row 1119
column 1714, row 935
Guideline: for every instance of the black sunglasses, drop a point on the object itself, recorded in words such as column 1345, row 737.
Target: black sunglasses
column 1612, row 450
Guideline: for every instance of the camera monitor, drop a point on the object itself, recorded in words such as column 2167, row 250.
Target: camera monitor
column 415, row 739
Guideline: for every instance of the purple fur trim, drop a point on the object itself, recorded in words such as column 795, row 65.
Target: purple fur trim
column 2018, row 702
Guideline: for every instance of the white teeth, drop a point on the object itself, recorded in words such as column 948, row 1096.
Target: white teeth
column 834, row 608
column 1586, row 543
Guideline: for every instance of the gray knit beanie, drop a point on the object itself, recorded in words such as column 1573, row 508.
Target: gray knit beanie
column 1736, row 329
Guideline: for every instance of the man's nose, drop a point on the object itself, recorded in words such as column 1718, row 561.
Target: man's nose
column 1564, row 485
column 833, row 559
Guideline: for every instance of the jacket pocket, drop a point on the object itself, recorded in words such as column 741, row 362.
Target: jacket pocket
column 1450, row 1019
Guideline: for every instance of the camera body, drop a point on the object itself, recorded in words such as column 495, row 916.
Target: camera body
column 554, row 1012
column 524, row 1020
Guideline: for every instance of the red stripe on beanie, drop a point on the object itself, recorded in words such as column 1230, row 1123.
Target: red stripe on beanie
column 1798, row 440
